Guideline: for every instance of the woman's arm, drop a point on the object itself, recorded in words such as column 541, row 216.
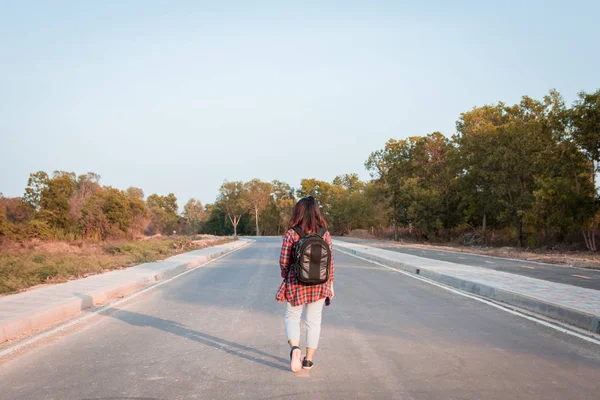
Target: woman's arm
column 327, row 238
column 286, row 253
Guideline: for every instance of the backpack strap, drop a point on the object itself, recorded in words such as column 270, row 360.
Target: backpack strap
column 299, row 231
column 322, row 232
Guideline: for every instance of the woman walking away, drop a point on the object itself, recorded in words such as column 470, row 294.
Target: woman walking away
column 307, row 269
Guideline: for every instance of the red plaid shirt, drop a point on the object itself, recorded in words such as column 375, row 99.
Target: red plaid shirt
column 290, row 289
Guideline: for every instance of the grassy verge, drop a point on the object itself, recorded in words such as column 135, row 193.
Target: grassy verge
column 36, row 263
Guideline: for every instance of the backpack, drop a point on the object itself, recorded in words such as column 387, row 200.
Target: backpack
column 312, row 257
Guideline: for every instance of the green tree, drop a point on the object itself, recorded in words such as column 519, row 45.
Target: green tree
column 233, row 199
column 107, row 212
column 36, row 184
column 284, row 202
column 478, row 142
column 135, row 193
column 163, row 213
column 93, row 221
column 270, row 221
column 378, row 212
column 194, row 215
column 140, row 215
column 216, row 222
column 348, row 206
column 350, row 182
column 500, row 148
column 390, row 166
column 86, row 185
column 320, row 190
column 49, row 198
column 258, row 198
column 563, row 181
column 586, row 133
column 117, row 209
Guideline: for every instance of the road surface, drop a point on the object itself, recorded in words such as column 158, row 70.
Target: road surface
column 217, row 333
column 581, row 277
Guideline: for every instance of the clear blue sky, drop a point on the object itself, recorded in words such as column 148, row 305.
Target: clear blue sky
column 178, row 96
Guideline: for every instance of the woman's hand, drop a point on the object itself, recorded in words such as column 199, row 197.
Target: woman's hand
column 332, row 291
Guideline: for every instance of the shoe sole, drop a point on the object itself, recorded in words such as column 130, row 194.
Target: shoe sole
column 295, row 363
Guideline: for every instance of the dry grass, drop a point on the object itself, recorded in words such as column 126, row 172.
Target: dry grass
column 361, row 234
column 24, row 265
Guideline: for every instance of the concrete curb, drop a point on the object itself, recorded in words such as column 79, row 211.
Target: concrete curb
column 578, row 318
column 13, row 328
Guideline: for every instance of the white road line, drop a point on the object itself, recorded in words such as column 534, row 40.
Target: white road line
column 490, row 303
column 526, row 266
column 109, row 306
column 583, row 277
column 489, row 262
column 463, row 258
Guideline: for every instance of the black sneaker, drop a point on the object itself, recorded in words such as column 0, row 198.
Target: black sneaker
column 307, row 364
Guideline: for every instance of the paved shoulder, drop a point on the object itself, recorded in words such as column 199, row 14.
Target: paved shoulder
column 585, row 278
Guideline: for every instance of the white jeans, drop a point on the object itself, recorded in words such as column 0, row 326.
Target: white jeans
column 314, row 312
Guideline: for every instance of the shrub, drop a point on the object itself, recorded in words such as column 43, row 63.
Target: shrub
column 37, row 229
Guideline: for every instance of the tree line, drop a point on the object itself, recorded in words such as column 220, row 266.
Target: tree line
column 522, row 174
column 64, row 206
column 530, row 167
column 264, row 208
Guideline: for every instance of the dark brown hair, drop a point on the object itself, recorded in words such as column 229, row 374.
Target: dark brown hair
column 307, row 215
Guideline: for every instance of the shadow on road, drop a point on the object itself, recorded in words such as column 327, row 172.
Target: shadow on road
column 176, row 328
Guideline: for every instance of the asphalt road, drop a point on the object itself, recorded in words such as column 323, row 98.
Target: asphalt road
column 217, row 333
column 585, row 278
